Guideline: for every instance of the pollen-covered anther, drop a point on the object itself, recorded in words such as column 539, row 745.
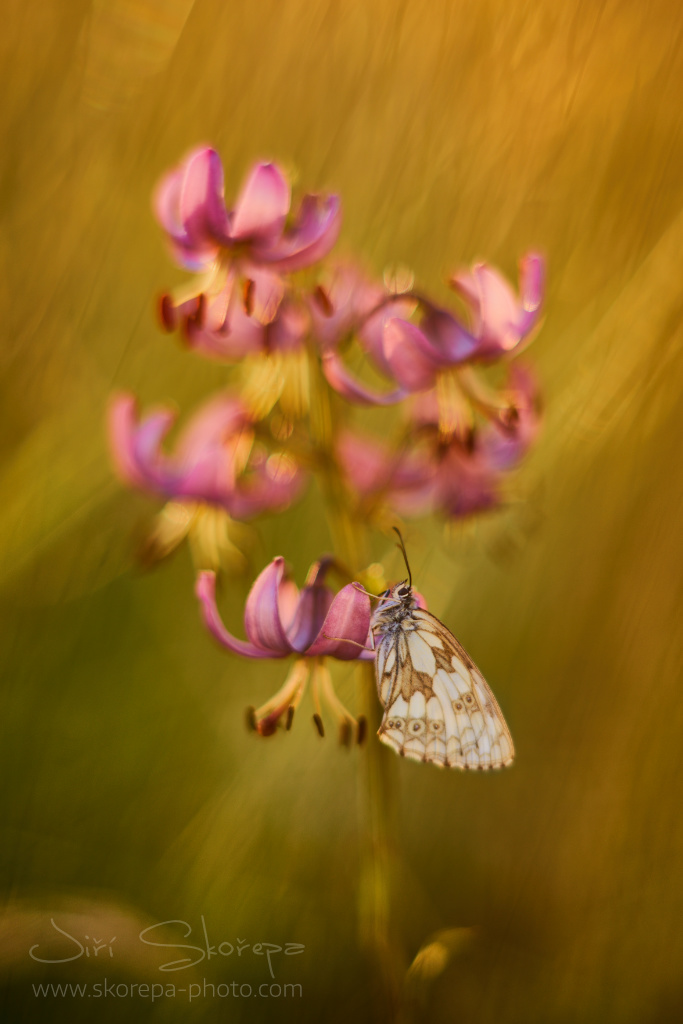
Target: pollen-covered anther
column 323, row 690
column 345, row 733
column 166, row 312
column 248, row 297
column 318, row 722
column 323, row 300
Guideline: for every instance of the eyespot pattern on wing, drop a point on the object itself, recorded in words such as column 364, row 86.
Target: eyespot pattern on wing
column 439, row 707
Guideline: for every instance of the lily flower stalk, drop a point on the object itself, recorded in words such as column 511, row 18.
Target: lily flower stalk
column 302, row 343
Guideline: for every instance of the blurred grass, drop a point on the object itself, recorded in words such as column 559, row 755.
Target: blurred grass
column 452, row 132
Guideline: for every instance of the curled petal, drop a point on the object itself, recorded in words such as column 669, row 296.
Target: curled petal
column 189, row 205
column 309, row 239
column 205, row 590
column 135, row 445
column 371, row 333
column 262, row 205
column 201, row 205
column 339, row 378
column 192, row 253
column 501, row 320
column 262, row 614
column 413, row 361
column 349, row 618
column 312, row 607
column 447, row 336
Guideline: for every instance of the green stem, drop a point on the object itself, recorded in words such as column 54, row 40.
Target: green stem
column 379, row 859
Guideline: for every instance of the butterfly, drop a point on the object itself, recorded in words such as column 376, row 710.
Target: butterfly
column 438, row 706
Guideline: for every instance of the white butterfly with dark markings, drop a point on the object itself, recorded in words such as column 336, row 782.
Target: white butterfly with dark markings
column 438, row 706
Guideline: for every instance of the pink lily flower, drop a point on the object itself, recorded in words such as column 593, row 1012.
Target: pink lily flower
column 214, row 461
column 468, row 473
column 222, row 245
column 416, row 355
column 312, row 624
column 189, row 204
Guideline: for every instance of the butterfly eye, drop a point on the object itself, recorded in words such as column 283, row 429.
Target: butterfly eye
column 403, row 591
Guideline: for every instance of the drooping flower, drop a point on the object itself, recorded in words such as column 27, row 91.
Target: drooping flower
column 215, row 464
column 228, row 247
column 280, row 620
column 468, row 471
column 427, row 353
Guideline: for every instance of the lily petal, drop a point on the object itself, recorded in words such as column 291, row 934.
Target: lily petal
column 205, row 590
column 188, row 203
column 501, row 320
column 262, row 621
column 135, row 445
column 312, row 607
column 412, row 360
column 262, row 205
column 348, row 617
column 201, row 205
column 310, row 238
column 351, row 388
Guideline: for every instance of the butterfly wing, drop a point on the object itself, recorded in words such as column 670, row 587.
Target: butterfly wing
column 439, row 707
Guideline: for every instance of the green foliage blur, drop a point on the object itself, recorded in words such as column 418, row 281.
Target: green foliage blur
column 132, row 793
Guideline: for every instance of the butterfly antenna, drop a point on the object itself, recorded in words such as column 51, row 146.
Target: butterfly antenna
column 405, row 556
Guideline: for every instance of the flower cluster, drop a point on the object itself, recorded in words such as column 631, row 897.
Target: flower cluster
column 260, row 297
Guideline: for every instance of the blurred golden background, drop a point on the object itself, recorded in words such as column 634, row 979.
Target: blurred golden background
column 132, row 793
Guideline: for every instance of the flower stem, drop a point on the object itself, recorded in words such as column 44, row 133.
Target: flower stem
column 378, row 865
